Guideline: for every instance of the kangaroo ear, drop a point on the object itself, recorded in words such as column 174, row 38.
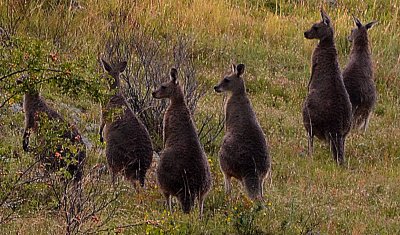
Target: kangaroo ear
column 357, row 22
column 174, row 75
column 122, row 66
column 371, row 24
column 233, row 66
column 325, row 18
column 106, row 65
column 240, row 69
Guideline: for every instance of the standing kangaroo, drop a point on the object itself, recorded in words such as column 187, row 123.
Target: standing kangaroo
column 183, row 170
column 35, row 108
column 128, row 145
column 327, row 107
column 244, row 152
column 358, row 76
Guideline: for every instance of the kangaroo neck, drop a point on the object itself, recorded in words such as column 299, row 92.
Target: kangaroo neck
column 116, row 84
column 237, row 108
column 327, row 42
column 360, row 48
column 32, row 95
column 177, row 104
column 177, row 101
column 177, row 98
column 239, row 96
column 179, row 129
column 325, row 54
column 117, row 99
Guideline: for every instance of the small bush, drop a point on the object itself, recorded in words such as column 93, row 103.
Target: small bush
column 149, row 60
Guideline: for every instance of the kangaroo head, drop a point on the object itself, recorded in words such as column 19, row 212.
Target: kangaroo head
column 114, row 71
column 28, row 85
column 22, row 79
column 320, row 30
column 233, row 82
column 168, row 89
column 360, row 31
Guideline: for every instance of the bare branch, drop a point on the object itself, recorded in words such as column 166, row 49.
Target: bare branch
column 13, row 73
column 13, row 189
column 8, row 99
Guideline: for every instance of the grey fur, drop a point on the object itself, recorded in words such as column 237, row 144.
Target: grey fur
column 128, row 145
column 244, row 153
column 358, row 76
column 183, row 170
column 327, row 107
column 34, row 106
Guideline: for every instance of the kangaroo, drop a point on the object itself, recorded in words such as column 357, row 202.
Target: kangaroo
column 35, row 107
column 358, row 76
column 128, row 145
column 183, row 170
column 327, row 107
column 244, row 152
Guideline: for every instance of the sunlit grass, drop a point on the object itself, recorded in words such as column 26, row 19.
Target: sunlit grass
column 306, row 194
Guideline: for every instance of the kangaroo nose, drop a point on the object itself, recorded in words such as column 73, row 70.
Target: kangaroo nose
column 153, row 94
column 216, row 88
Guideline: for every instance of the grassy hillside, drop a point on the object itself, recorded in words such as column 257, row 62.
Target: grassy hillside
column 305, row 196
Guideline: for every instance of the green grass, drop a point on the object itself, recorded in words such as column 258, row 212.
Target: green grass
column 306, row 194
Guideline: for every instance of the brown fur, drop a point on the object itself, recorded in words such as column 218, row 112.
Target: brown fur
column 327, row 108
column 34, row 107
column 128, row 145
column 358, row 76
column 244, row 152
column 183, row 170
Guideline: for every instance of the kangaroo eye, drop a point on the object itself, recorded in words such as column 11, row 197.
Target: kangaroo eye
column 226, row 80
column 163, row 87
column 315, row 28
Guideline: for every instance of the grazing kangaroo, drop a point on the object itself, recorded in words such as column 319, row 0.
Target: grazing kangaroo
column 128, row 146
column 327, row 107
column 244, row 152
column 183, row 170
column 35, row 107
column 358, row 76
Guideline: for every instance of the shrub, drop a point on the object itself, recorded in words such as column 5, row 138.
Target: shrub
column 150, row 58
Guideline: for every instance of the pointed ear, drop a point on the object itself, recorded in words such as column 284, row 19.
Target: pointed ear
column 357, row 22
column 325, row 18
column 106, row 65
column 240, row 69
column 122, row 66
column 233, row 67
column 174, row 75
column 371, row 24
